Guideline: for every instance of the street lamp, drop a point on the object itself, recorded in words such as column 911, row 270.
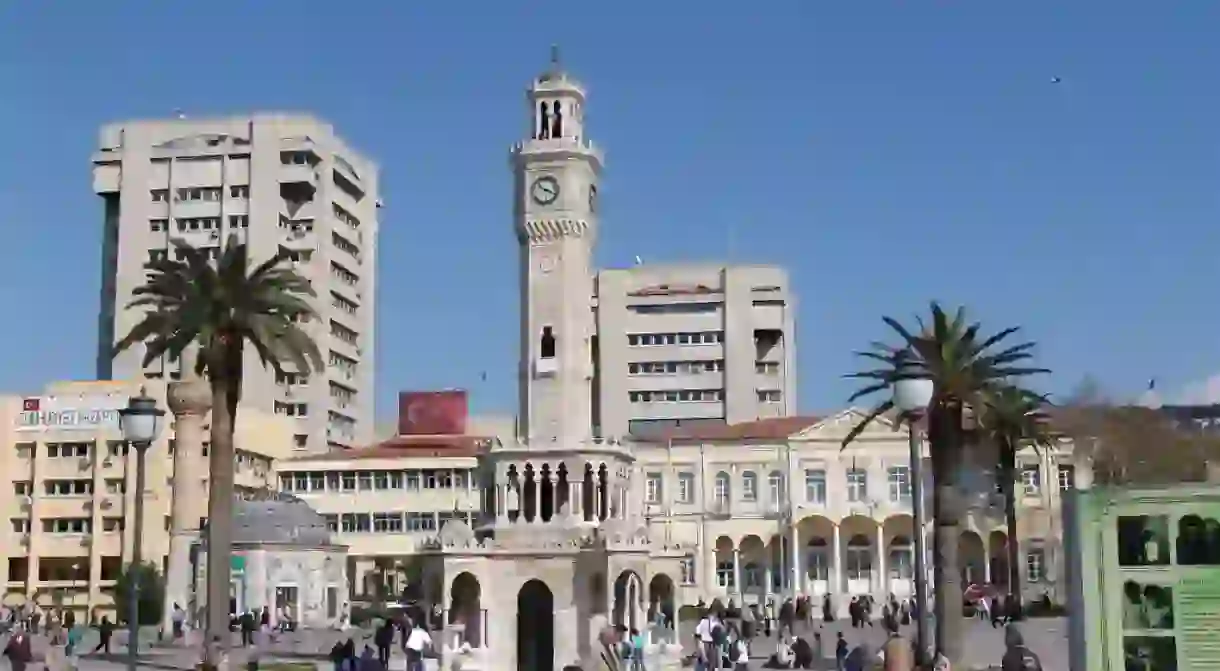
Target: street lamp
column 912, row 397
column 140, row 423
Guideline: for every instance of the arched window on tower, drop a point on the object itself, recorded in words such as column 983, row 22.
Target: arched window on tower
column 546, row 346
column 557, row 120
column 542, row 130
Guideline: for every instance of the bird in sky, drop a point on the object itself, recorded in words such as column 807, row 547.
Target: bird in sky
column 1056, row 80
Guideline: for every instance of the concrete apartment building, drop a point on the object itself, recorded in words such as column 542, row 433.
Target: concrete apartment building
column 276, row 182
column 693, row 345
column 68, row 489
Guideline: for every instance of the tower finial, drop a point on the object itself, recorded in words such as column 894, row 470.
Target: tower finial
column 555, row 56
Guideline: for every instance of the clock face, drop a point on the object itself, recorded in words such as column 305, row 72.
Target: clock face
column 545, row 190
column 546, row 263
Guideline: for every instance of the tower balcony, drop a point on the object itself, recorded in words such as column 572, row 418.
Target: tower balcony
column 558, row 149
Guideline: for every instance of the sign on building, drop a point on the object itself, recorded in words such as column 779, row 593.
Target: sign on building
column 1144, row 578
column 69, row 413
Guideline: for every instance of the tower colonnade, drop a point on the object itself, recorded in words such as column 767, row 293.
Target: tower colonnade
column 536, row 489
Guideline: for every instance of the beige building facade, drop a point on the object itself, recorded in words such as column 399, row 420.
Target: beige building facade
column 723, row 509
column 693, row 345
column 69, row 494
column 276, row 182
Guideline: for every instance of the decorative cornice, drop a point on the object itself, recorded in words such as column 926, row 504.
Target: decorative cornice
column 547, row 230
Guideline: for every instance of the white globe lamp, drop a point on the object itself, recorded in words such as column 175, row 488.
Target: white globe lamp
column 912, row 394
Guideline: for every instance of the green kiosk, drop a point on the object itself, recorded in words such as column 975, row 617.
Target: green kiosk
column 1143, row 578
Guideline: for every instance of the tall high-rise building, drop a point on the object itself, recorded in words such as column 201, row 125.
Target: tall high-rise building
column 276, row 182
column 637, row 350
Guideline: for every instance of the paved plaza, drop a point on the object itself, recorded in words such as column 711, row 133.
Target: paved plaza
column 984, row 646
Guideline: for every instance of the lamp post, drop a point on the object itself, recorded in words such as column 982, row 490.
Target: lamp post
column 911, row 398
column 140, row 423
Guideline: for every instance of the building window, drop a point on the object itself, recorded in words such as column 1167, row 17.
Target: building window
column 725, row 576
column 815, row 486
column 1067, row 477
column 1031, row 480
column 859, row 559
column 687, row 571
column 749, row 486
column 722, row 489
column 900, row 483
column 769, row 395
column 857, row 485
column 686, row 488
column 546, row 348
column 1035, row 563
column 652, row 488
column 775, row 485
column 899, row 565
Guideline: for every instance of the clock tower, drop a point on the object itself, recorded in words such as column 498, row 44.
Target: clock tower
column 555, row 173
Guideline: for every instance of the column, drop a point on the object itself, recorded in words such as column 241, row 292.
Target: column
column 189, row 400
column 501, row 493
column 882, row 578
column 987, row 559
column 574, row 500
column 538, row 495
column 836, row 574
column 798, row 585
column 737, row 570
column 768, row 574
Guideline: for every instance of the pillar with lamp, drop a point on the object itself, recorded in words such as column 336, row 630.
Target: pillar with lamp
column 140, row 423
column 911, row 398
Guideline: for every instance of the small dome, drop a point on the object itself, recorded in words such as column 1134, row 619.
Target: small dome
column 278, row 518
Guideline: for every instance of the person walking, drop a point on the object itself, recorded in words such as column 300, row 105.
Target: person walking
column 419, row 643
column 105, row 630
column 1018, row 657
column 18, row 651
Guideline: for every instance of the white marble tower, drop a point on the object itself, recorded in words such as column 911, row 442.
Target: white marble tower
column 556, row 171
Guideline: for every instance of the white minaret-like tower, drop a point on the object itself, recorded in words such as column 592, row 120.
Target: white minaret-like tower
column 555, row 175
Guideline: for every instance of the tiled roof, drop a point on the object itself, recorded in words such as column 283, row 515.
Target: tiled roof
column 775, row 428
column 409, row 446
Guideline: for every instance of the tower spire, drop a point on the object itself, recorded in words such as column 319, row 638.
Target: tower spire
column 555, row 56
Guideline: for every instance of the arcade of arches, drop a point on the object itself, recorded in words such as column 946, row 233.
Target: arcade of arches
column 632, row 605
column 843, row 558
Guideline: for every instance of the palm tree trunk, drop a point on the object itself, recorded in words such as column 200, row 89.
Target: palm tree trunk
column 1008, row 475
column 946, row 446
column 220, row 513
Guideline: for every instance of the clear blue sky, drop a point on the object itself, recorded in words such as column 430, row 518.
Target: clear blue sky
column 886, row 152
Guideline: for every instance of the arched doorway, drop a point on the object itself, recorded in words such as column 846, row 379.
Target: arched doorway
column 535, row 627
column 972, row 558
column 628, row 597
column 465, row 608
column 661, row 595
column 859, row 565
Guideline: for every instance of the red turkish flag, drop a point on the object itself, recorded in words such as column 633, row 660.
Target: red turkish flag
column 30, row 404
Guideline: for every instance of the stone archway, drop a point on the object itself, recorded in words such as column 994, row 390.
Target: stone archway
column 662, row 600
column 628, row 599
column 997, row 547
column 972, row 559
column 535, row 627
column 465, row 608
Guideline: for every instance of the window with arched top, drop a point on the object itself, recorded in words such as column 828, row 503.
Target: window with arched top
column 749, row 486
column 859, row 558
column 776, row 485
column 722, row 488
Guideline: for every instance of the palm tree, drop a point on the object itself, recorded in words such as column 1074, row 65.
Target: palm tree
column 222, row 307
column 1013, row 418
column 963, row 366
